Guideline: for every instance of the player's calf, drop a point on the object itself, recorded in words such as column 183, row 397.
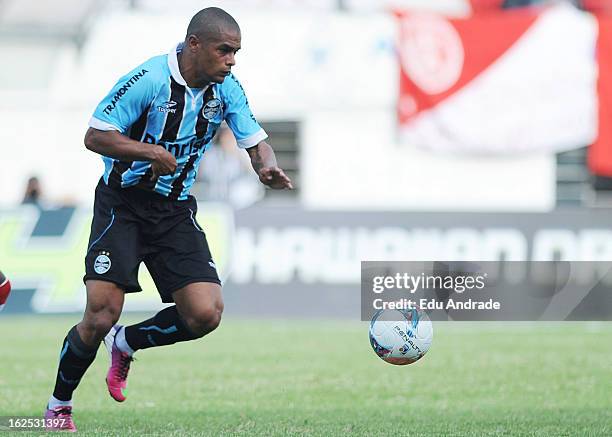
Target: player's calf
column 75, row 358
column 165, row 328
column 197, row 312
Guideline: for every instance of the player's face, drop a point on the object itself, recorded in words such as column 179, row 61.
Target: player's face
column 216, row 57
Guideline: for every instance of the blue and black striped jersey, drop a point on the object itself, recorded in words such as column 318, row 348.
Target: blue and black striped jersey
column 153, row 104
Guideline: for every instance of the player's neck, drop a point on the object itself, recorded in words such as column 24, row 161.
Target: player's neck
column 188, row 72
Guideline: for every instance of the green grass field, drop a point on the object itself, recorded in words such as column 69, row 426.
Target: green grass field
column 321, row 378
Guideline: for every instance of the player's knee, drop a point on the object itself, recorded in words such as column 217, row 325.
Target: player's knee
column 215, row 316
column 104, row 304
column 99, row 323
column 205, row 319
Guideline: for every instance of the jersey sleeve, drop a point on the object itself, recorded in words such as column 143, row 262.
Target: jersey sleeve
column 126, row 101
column 238, row 115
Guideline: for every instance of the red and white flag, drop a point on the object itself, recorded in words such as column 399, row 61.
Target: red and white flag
column 600, row 153
column 511, row 81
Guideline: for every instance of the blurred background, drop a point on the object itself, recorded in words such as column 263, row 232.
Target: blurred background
column 413, row 130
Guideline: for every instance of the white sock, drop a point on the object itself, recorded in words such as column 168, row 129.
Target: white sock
column 54, row 403
column 121, row 343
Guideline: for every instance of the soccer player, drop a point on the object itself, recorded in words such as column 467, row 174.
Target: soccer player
column 152, row 130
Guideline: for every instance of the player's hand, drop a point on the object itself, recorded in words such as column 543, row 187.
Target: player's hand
column 164, row 163
column 275, row 178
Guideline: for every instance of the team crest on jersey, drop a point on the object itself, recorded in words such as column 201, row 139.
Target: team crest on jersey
column 102, row 264
column 211, row 109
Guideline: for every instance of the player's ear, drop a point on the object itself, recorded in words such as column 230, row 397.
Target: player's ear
column 193, row 42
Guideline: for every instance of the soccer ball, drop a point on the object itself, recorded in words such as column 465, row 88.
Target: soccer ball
column 5, row 290
column 401, row 337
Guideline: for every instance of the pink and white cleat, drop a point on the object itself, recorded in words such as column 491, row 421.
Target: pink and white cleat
column 116, row 378
column 59, row 419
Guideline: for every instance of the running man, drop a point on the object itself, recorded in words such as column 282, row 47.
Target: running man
column 152, row 130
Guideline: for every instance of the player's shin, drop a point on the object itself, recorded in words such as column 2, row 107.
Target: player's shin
column 165, row 328
column 75, row 359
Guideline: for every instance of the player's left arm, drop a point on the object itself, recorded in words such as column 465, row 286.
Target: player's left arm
column 264, row 163
column 250, row 136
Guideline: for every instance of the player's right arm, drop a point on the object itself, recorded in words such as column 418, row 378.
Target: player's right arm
column 118, row 146
column 126, row 102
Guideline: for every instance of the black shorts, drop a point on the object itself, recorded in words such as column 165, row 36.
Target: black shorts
column 131, row 226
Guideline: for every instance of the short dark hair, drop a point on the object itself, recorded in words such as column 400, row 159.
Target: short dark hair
column 211, row 21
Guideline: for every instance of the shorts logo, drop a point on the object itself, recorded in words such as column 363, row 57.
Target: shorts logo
column 211, row 109
column 212, row 264
column 102, row 264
